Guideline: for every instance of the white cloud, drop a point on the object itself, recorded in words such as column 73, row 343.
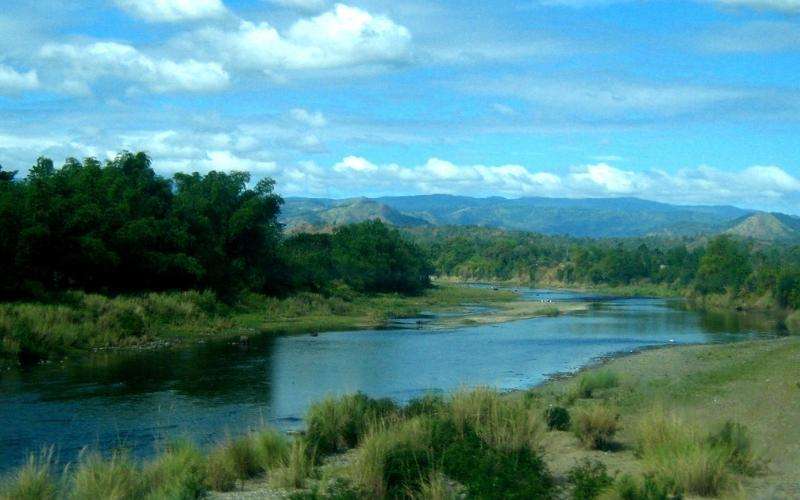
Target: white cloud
column 312, row 119
column 12, row 81
column 342, row 37
column 173, row 10
column 791, row 6
column 111, row 59
column 756, row 186
column 355, row 164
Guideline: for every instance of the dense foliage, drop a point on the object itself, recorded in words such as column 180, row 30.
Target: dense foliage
column 120, row 227
column 723, row 265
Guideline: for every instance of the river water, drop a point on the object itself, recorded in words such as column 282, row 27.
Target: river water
column 204, row 392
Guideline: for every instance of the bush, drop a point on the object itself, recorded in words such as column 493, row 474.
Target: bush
column 591, row 382
column 429, row 405
column 115, row 478
column 438, row 487
column 221, row 469
column 557, row 418
column 336, row 425
column 735, row 442
column 487, row 472
column 595, row 426
column 178, row 473
column 588, row 479
column 33, row 481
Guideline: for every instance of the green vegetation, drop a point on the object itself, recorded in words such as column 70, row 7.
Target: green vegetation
column 724, row 272
column 691, row 420
column 592, row 382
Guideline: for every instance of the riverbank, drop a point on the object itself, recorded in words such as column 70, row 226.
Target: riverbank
column 659, row 413
column 32, row 332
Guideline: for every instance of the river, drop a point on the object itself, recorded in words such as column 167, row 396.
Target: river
column 137, row 399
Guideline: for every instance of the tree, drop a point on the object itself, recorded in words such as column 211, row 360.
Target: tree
column 371, row 257
column 724, row 266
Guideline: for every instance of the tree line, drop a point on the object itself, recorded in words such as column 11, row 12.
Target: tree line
column 119, row 227
column 721, row 265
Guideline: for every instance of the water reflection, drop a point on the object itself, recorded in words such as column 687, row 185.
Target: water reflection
column 207, row 390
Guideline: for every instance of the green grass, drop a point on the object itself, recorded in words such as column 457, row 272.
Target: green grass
column 590, row 383
column 76, row 321
column 33, row 481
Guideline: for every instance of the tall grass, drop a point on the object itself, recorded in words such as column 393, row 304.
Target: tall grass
column 679, row 453
column 32, row 331
column 296, row 468
column 177, row 473
column 595, row 426
column 114, row 478
column 503, row 423
column 33, row 481
column 590, row 383
column 337, row 424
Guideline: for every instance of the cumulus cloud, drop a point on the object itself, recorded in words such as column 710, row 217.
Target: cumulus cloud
column 173, row 10
column 305, row 117
column 111, row 59
column 342, row 37
column 791, row 6
column 12, row 81
column 758, row 186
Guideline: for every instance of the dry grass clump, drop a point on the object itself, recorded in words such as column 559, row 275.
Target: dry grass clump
column 595, row 426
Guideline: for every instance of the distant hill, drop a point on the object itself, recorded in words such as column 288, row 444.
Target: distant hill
column 589, row 217
column 320, row 213
column 767, row 227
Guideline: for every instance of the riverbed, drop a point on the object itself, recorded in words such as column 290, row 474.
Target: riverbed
column 138, row 399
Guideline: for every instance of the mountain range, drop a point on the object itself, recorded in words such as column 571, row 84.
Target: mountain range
column 582, row 217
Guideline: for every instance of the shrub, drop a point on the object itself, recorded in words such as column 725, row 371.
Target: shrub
column 735, row 442
column 487, row 472
column 557, row 418
column 115, row 478
column 297, row 468
column 429, row 404
column 595, row 426
column 338, row 424
column 591, row 382
column 33, row 481
column 178, row 473
column 588, row 479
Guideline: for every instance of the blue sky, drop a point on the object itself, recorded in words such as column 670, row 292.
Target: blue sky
column 691, row 102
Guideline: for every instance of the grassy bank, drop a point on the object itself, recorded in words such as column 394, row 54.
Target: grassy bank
column 690, row 421
column 77, row 321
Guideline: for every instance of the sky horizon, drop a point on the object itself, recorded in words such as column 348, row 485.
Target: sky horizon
column 693, row 102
